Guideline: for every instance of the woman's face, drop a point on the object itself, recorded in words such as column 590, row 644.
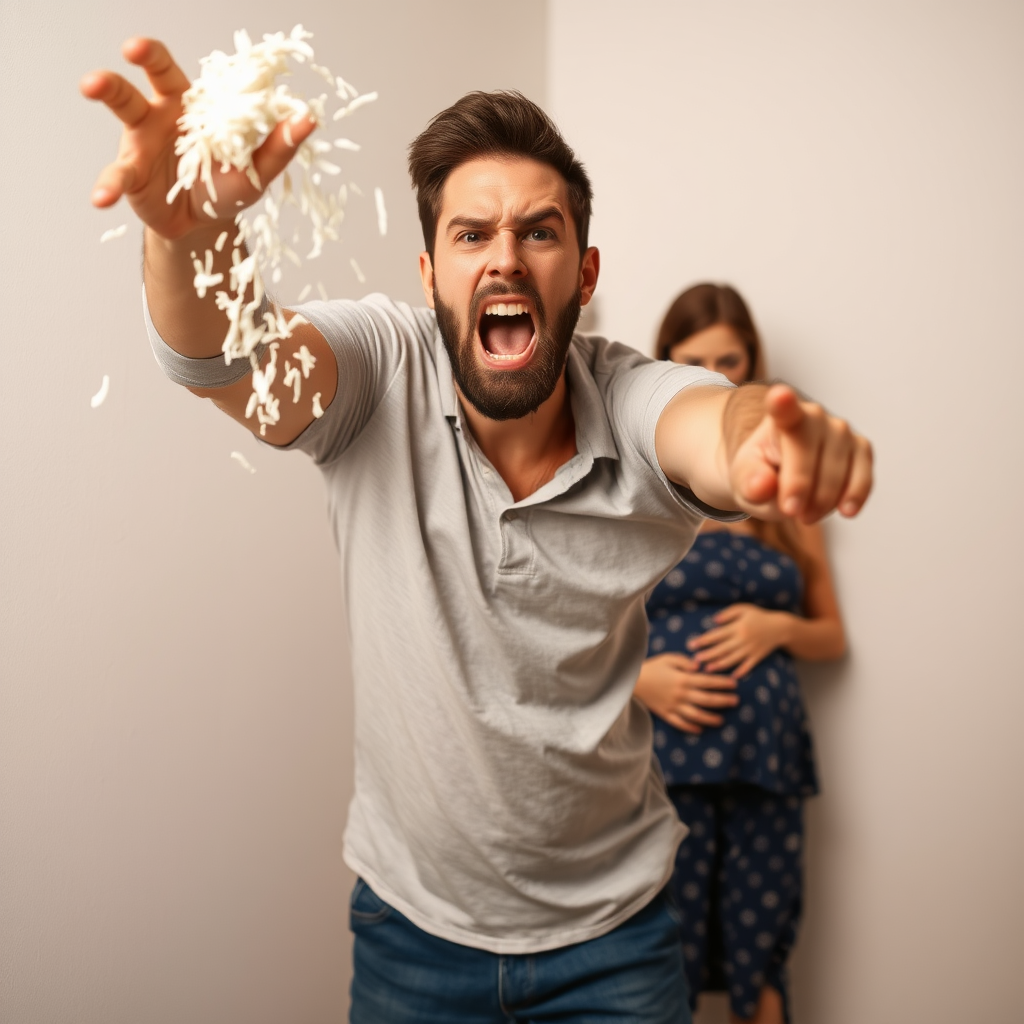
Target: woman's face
column 718, row 348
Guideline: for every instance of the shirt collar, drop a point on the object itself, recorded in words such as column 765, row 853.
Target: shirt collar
column 593, row 431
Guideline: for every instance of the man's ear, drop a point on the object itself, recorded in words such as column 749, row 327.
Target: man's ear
column 427, row 278
column 590, row 268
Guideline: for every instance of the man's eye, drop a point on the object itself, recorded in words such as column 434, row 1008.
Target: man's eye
column 540, row 235
column 471, row 236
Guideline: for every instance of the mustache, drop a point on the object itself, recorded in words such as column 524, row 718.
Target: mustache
column 526, row 288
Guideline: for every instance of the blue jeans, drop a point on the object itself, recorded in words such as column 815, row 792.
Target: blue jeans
column 404, row 975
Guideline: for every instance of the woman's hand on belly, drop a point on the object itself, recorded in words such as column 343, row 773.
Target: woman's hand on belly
column 675, row 688
column 744, row 636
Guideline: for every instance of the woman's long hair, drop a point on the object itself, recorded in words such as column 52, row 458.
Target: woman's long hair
column 703, row 306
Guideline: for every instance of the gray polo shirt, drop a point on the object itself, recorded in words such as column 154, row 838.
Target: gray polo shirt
column 506, row 796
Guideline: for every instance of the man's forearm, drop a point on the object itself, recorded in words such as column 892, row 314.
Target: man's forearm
column 698, row 433
column 191, row 325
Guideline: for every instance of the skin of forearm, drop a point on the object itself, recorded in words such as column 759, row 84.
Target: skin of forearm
column 811, row 639
column 190, row 325
column 699, row 432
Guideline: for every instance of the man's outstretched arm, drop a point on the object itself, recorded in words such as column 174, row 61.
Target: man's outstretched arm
column 763, row 450
column 144, row 171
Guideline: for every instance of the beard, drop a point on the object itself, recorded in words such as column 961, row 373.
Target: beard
column 508, row 394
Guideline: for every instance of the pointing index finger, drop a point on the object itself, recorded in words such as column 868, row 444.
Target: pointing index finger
column 155, row 59
column 784, row 407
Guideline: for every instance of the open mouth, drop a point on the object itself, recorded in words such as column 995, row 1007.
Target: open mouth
column 507, row 334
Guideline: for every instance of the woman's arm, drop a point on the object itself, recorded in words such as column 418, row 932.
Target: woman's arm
column 746, row 634
column 819, row 635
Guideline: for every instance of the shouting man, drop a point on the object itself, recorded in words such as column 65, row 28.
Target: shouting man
column 529, row 486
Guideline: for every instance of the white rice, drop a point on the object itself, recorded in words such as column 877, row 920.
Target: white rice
column 306, row 358
column 382, row 213
column 243, row 461
column 323, row 291
column 113, row 233
column 304, row 294
column 317, row 409
column 101, row 396
column 360, row 276
column 228, row 111
column 293, row 380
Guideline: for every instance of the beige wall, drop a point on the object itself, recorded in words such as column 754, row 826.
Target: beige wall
column 856, row 169
column 175, row 713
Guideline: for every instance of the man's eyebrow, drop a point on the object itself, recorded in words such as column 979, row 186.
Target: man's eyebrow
column 524, row 221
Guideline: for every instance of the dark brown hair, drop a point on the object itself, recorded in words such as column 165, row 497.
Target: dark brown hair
column 705, row 305
column 492, row 124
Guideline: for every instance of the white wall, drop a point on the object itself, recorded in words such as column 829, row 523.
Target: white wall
column 856, row 169
column 175, row 713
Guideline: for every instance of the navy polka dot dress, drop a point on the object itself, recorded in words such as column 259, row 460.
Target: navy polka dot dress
column 764, row 739
column 739, row 787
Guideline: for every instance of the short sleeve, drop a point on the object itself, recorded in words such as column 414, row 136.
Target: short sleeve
column 637, row 389
column 371, row 340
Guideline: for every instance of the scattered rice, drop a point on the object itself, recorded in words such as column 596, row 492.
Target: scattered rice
column 304, row 294
column 382, row 213
column 306, row 358
column 354, row 105
column 317, row 409
column 322, row 290
column 293, row 380
column 101, row 396
column 228, row 111
column 359, row 273
column 355, row 188
column 113, row 233
column 243, row 461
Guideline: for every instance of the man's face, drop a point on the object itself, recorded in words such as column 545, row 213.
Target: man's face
column 507, row 282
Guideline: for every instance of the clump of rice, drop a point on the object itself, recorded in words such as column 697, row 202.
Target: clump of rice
column 228, row 111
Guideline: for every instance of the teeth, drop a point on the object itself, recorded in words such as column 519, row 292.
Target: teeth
column 505, row 309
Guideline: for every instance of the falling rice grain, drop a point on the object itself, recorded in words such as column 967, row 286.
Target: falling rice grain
column 101, row 396
column 317, row 408
column 243, row 461
column 382, row 213
column 209, row 210
column 360, row 276
column 113, row 233
column 303, row 295
column 323, row 291
column 355, row 188
column 221, row 239
column 352, row 147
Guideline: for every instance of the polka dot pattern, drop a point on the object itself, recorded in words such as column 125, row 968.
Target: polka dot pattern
column 737, row 883
column 764, row 739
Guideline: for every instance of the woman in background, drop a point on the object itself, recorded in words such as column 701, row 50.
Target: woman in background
column 729, row 725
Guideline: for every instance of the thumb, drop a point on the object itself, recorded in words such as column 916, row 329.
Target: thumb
column 280, row 146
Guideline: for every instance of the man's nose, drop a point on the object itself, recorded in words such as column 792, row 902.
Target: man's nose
column 505, row 258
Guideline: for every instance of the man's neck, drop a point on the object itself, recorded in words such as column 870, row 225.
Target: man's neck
column 527, row 452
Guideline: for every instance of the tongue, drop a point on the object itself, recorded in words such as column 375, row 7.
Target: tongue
column 507, row 335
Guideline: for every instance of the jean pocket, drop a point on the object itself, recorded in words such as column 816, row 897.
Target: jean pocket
column 366, row 907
